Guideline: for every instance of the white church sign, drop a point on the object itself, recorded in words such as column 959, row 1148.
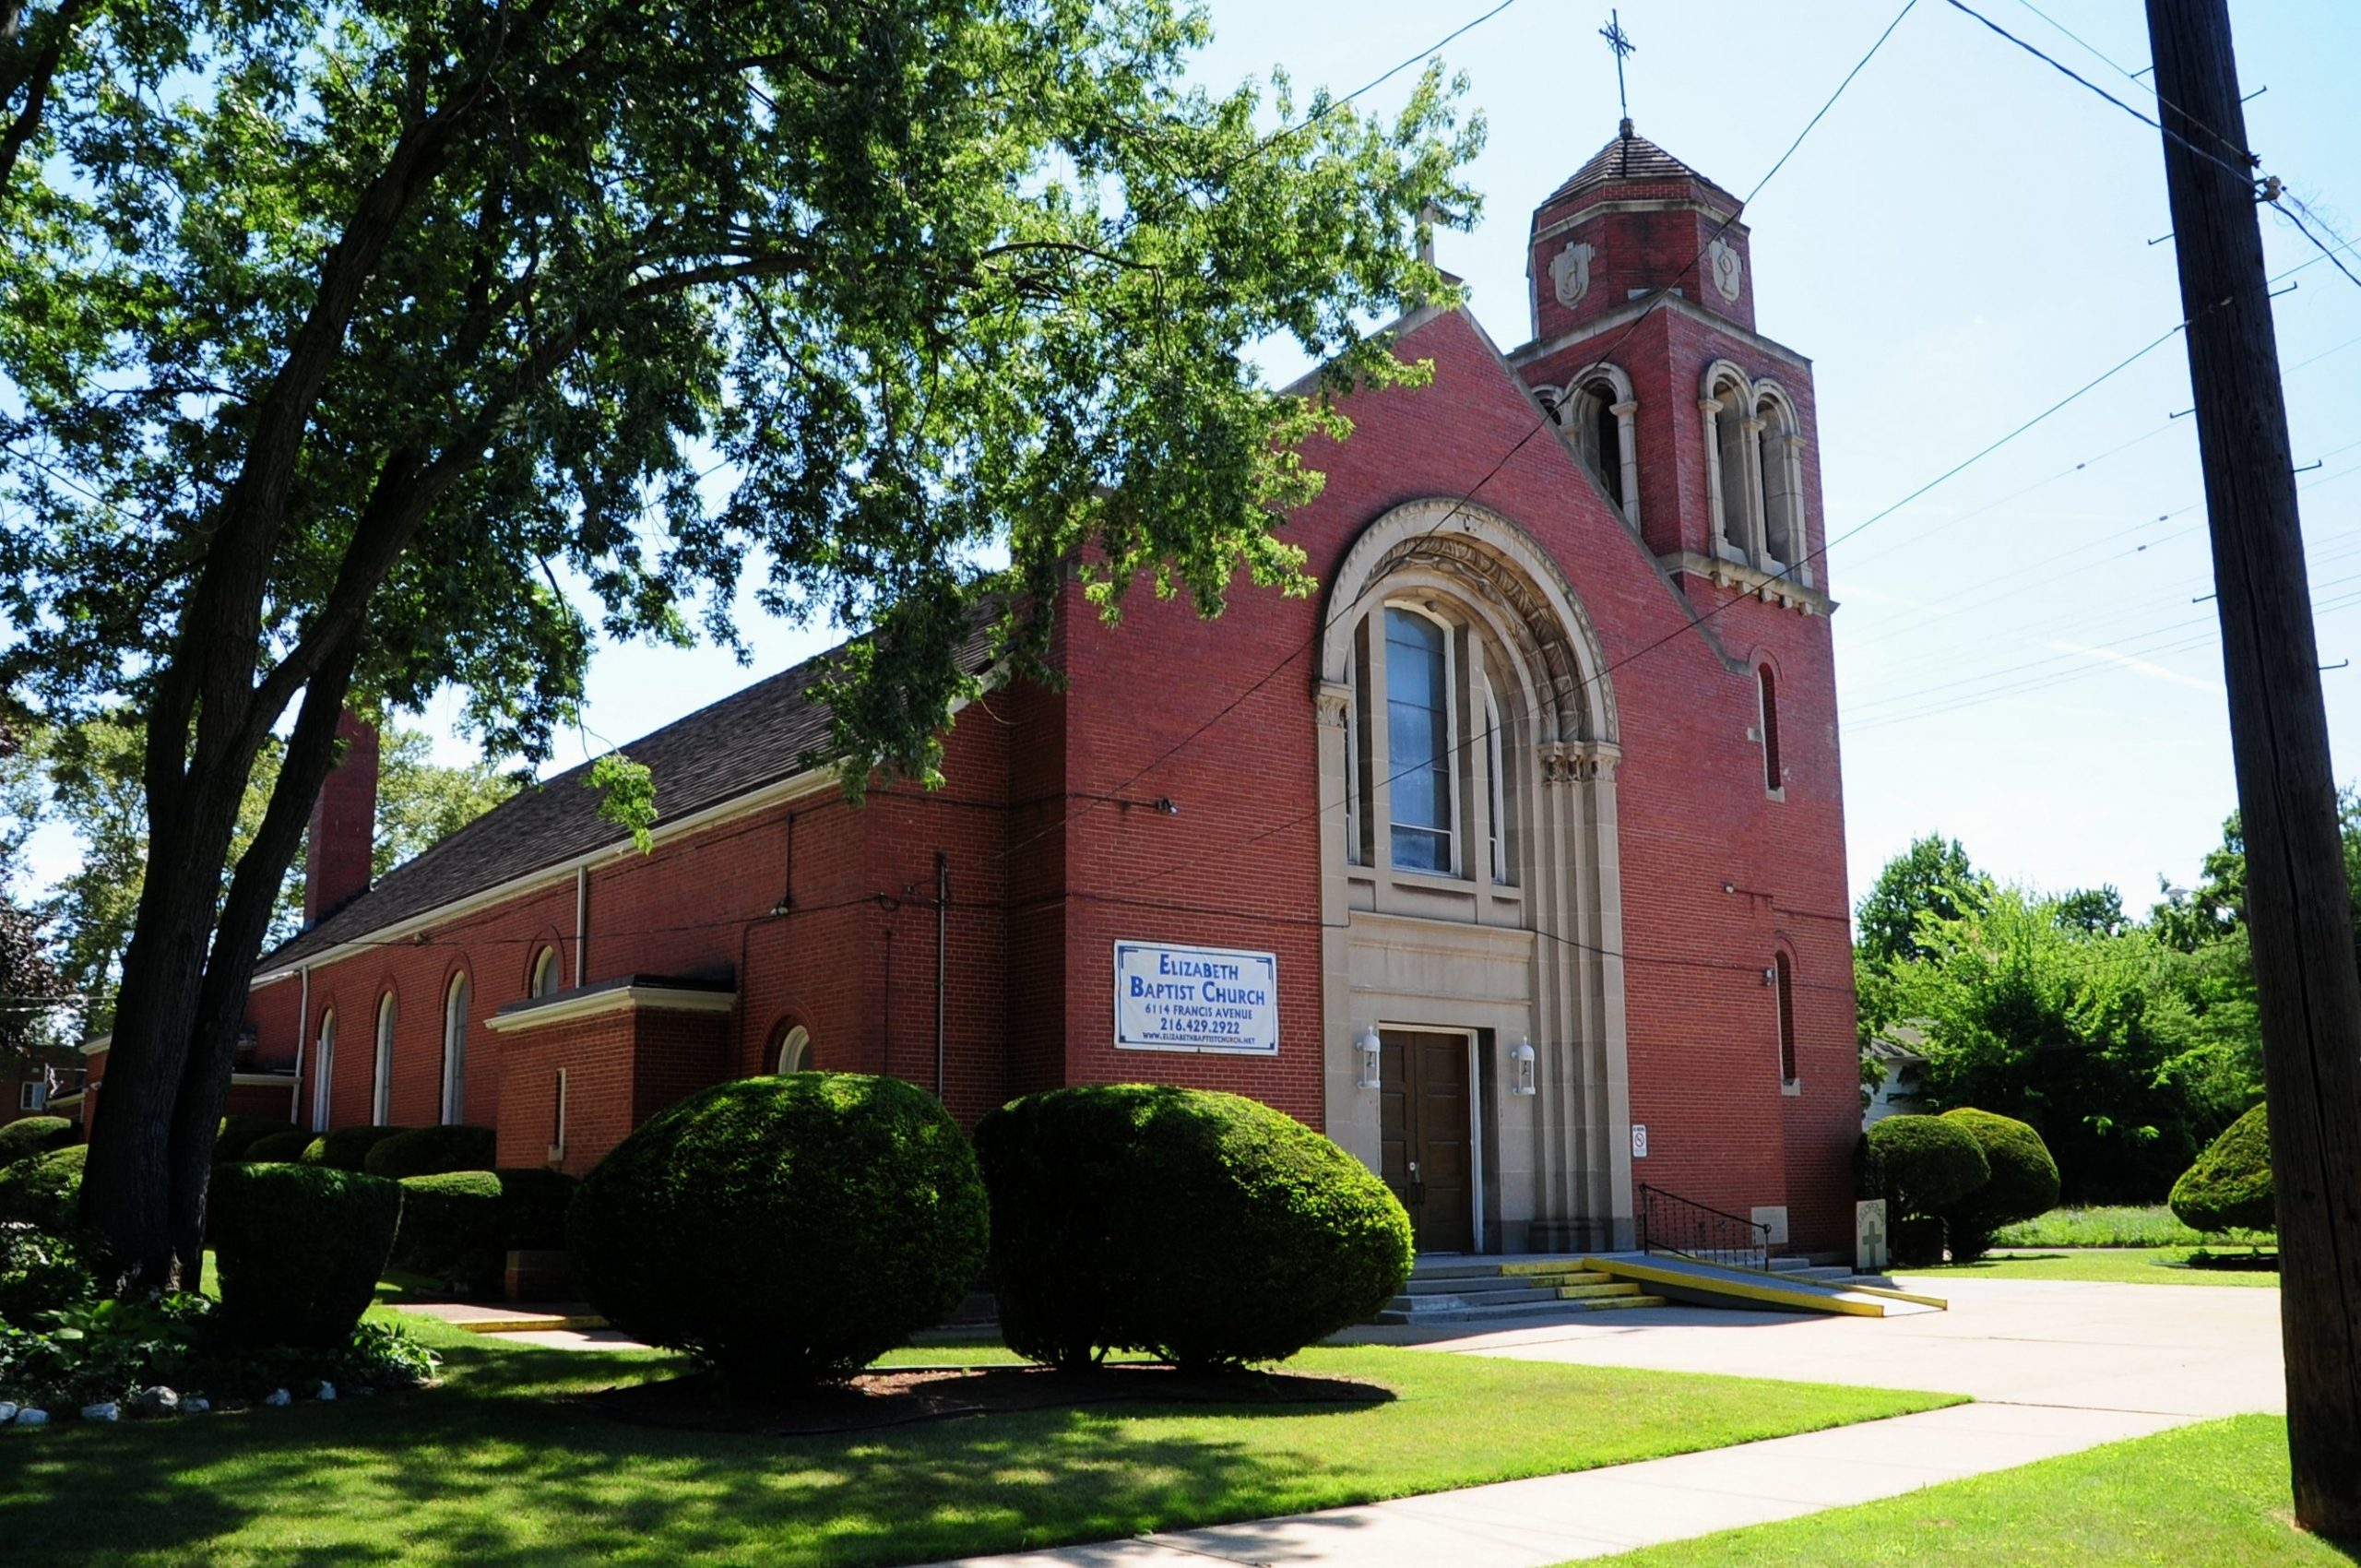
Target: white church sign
column 1207, row 999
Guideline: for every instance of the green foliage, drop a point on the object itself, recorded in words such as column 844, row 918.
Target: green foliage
column 277, row 1147
column 2023, row 1183
column 35, row 1135
column 45, row 1190
column 94, row 774
column 346, row 1149
column 433, row 1151
column 2147, row 1224
column 783, row 1229
column 1209, row 1229
column 628, row 791
column 40, row 1273
column 238, row 1133
column 461, row 1226
column 1933, row 879
column 2090, row 1039
column 298, row 1250
column 421, row 802
column 2229, row 1187
column 1929, row 1164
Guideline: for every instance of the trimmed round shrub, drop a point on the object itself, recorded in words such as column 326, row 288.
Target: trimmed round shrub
column 2023, row 1183
column 461, row 1224
column 452, row 1227
column 2229, row 1187
column 238, row 1132
column 784, row 1231
column 40, row 1273
column 345, row 1148
column 432, row 1151
column 1929, row 1164
column 35, row 1135
column 277, row 1147
column 298, row 1250
column 46, row 1190
column 1208, row 1230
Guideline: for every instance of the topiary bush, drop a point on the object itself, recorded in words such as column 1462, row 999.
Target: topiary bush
column 2023, row 1183
column 2229, row 1187
column 237, row 1134
column 347, row 1147
column 298, row 1250
column 277, row 1147
column 461, row 1224
column 433, row 1151
column 1207, row 1228
column 1930, row 1165
column 784, row 1231
column 46, row 1190
column 35, row 1135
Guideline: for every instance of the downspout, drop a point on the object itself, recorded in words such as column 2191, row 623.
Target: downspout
column 941, row 931
column 302, row 1032
column 581, row 923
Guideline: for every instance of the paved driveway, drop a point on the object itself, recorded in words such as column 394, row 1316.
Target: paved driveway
column 2180, row 1349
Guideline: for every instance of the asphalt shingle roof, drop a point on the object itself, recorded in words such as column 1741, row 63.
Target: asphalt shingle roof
column 1629, row 157
column 756, row 736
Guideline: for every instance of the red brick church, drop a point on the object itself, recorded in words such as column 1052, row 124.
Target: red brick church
column 1523, row 876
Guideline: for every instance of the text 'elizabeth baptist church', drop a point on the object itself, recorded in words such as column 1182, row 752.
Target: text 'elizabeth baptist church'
column 1524, row 879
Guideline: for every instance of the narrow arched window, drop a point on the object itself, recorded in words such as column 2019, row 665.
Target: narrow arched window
column 1775, row 775
column 1782, row 505
column 792, row 1048
column 381, row 1086
column 454, row 1049
column 1495, row 774
column 1784, row 980
column 1418, row 750
column 322, row 1070
column 544, row 978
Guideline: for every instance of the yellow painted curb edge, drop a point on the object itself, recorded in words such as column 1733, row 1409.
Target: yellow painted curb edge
column 1721, row 1285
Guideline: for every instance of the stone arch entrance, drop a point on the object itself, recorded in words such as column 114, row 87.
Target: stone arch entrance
column 1501, row 727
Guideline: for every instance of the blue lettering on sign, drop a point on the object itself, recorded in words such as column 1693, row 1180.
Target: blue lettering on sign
column 1195, row 999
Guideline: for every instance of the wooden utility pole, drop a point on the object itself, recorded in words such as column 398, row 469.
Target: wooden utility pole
column 2298, row 910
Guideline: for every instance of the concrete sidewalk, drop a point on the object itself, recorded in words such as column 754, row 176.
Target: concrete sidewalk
column 2058, row 1367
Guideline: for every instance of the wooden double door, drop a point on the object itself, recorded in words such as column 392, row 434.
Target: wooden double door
column 1427, row 1110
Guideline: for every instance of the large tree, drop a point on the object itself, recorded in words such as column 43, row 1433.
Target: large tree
column 342, row 336
column 88, row 783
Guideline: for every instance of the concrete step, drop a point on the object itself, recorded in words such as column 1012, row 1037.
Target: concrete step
column 1820, row 1273
column 1423, row 1284
column 1440, row 1300
column 1430, row 1313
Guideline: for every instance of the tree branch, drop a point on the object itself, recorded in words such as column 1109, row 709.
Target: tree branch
column 34, row 78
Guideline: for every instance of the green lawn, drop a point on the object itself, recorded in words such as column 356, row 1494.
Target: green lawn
column 2114, row 1225
column 2104, row 1265
column 2213, row 1493
column 489, row 1471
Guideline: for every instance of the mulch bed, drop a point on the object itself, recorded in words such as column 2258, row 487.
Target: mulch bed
column 2236, row 1262
column 902, row 1395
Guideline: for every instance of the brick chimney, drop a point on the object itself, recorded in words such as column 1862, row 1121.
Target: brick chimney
column 344, row 823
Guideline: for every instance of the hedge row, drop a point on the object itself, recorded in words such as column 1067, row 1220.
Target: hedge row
column 461, row 1224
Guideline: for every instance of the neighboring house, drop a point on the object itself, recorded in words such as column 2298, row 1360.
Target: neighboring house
column 1513, row 859
column 1903, row 1090
column 45, row 1081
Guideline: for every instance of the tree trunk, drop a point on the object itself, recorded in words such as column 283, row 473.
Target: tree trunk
column 2298, row 908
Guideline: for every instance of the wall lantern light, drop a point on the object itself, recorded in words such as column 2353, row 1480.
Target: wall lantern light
column 1521, row 1068
column 1367, row 1043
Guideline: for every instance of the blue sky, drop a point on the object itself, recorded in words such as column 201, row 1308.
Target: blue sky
column 1964, row 241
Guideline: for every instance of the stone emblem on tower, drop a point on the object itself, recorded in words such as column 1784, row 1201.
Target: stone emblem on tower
column 1569, row 271
column 1723, row 264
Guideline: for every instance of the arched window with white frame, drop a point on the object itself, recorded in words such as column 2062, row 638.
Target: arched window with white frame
column 455, row 1048
column 545, row 979
column 322, row 1070
column 1732, row 468
column 792, row 1047
column 1420, row 740
column 381, row 1081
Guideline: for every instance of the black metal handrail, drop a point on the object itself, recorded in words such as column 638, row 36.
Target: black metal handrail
column 1670, row 1223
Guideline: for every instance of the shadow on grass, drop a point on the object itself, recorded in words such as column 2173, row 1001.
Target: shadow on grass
column 501, row 1467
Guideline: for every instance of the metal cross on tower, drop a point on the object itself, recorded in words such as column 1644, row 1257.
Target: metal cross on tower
column 1620, row 43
